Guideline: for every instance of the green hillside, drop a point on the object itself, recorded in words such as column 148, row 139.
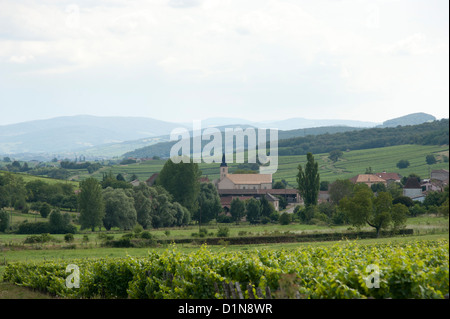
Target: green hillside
column 351, row 164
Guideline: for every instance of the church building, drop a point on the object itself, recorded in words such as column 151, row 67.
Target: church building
column 242, row 181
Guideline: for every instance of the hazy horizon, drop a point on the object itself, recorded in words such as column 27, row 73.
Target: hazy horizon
column 184, row 60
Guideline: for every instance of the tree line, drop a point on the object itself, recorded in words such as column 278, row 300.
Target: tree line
column 433, row 133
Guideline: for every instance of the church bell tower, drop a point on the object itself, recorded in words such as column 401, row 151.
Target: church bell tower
column 223, row 168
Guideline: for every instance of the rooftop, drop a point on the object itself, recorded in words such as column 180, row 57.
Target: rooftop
column 250, row 178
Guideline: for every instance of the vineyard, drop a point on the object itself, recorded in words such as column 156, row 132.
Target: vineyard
column 418, row 269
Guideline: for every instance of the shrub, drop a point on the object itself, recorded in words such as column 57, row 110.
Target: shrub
column 43, row 238
column 34, row 228
column 68, row 238
column 284, row 219
column 146, row 235
column 223, row 231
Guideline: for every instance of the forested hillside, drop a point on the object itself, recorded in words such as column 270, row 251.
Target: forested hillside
column 432, row 133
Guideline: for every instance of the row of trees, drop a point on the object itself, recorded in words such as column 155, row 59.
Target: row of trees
column 254, row 210
column 124, row 208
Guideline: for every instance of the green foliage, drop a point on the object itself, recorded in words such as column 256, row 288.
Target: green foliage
column 308, row 181
column 284, row 219
column 4, row 220
column 119, row 209
column 223, row 231
column 417, row 270
column 91, row 204
column 253, row 211
column 335, row 155
column 403, row 164
column 209, row 205
column 237, row 209
column 363, row 208
column 339, row 189
column 68, row 238
column 45, row 210
column 430, row 159
column 181, row 180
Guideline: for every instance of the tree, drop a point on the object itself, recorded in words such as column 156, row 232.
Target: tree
column 181, row 180
column 335, row 155
column 285, row 219
column 399, row 215
column 267, row 209
column 4, row 220
column 90, row 204
column 143, row 207
column 208, row 202
column 339, row 189
column 237, row 209
column 253, row 211
column 324, row 185
column 44, row 210
column 405, row 200
column 430, row 159
column 358, row 206
column 378, row 187
column 119, row 209
column 363, row 208
column 279, row 185
column 403, row 164
column 60, row 223
column 308, row 181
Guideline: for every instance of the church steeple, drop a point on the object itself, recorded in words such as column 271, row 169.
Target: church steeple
column 223, row 168
column 224, row 163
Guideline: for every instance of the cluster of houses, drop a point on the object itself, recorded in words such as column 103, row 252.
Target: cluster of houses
column 246, row 186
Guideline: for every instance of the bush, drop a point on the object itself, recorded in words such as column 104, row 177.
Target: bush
column 403, row 164
column 223, row 231
column 43, row 238
column 34, row 228
column 68, row 238
column 146, row 235
column 224, row 219
column 284, row 219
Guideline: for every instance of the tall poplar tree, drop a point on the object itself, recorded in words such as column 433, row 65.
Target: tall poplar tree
column 91, row 204
column 309, row 181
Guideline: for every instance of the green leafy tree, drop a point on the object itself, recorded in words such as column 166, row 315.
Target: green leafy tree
column 402, row 164
column 45, row 210
column 267, row 208
column 181, row 180
column 209, row 205
column 399, row 215
column 430, row 159
column 4, row 220
column 119, row 209
column 253, row 211
column 308, row 181
column 335, row 155
column 279, row 185
column 237, row 209
column 364, row 208
column 91, row 204
column 143, row 207
column 339, row 189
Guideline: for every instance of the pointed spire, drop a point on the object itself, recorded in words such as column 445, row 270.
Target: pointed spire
column 224, row 164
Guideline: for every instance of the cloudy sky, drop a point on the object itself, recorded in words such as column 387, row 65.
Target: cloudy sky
column 179, row 60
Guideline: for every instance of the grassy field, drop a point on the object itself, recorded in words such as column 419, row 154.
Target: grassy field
column 351, row 164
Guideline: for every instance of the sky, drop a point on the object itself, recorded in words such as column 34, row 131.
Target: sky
column 262, row 60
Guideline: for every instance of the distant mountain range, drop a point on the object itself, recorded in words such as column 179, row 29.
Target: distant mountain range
column 103, row 137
